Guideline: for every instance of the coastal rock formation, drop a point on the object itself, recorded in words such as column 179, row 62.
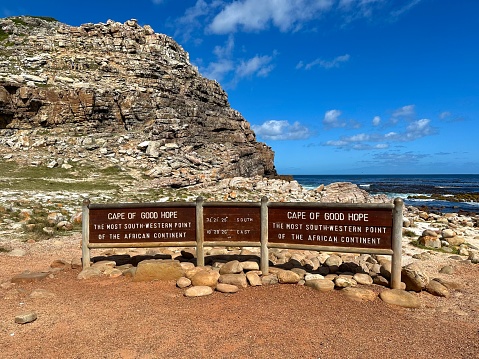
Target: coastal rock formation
column 118, row 94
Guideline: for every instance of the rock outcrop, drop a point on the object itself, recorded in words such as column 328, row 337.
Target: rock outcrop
column 114, row 93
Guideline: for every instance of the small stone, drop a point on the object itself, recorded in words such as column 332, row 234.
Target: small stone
column 28, row 277
column 449, row 284
column 25, row 318
column 187, row 265
column 208, row 278
column 437, row 289
column 183, row 282
column 254, row 279
column 448, row 233
column 456, row 240
column 414, row 277
column 474, row 257
column 269, row 279
column 359, row 294
column 104, row 265
column 191, row 272
column 17, row 252
column 362, row 278
column 226, row 288
column 385, row 269
column 236, row 279
column 311, row 276
column 288, row 277
column 447, row 270
column 232, row 267
column 423, row 256
column 114, row 273
column 59, row 263
column 76, row 263
column 331, row 277
column 343, row 282
column 250, row 265
column 322, row 285
column 380, row 280
column 400, row 298
column 198, row 291
column 429, row 241
column 89, row 272
column 333, row 261
column 49, row 230
column 42, row 293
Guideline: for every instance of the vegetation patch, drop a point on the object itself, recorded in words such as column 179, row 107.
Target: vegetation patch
column 46, row 18
column 3, row 35
column 409, row 233
column 452, row 249
column 4, row 250
column 18, row 21
column 78, row 178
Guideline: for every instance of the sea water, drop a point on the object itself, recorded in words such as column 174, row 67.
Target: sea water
column 407, row 186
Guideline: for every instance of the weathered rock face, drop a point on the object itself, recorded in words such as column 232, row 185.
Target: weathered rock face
column 107, row 88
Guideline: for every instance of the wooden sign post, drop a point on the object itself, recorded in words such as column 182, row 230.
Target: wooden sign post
column 331, row 227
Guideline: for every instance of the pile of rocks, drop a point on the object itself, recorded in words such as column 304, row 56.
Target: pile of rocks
column 449, row 232
column 230, row 270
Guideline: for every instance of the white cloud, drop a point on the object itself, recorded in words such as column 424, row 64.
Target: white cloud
column 331, row 119
column 404, row 111
column 300, row 65
column 193, row 19
column 254, row 15
column 415, row 130
column 391, row 135
column 218, row 70
column 405, row 8
column 225, row 17
column 324, row 63
column 227, row 50
column 418, row 129
column 258, row 65
column 189, row 23
column 444, row 115
column 376, row 120
column 226, row 66
column 281, row 130
column 361, row 137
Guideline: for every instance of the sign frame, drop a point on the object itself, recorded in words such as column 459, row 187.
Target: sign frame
column 248, row 214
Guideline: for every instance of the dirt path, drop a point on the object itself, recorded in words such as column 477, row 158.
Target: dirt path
column 118, row 318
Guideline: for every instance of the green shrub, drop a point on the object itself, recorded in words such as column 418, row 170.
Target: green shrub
column 409, row 233
column 3, row 35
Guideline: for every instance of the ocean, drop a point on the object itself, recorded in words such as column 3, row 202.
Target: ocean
column 440, row 193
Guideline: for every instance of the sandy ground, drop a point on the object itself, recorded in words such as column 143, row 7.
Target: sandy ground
column 118, row 318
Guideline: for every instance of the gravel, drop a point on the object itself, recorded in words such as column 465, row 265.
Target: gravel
column 118, row 318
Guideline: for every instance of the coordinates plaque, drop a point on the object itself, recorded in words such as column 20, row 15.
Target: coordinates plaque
column 240, row 224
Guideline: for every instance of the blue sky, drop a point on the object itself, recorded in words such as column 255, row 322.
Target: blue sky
column 333, row 86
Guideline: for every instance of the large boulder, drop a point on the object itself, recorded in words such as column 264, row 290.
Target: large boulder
column 414, row 276
column 400, row 298
column 158, row 269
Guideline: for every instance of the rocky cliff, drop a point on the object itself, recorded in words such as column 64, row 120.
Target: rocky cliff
column 121, row 94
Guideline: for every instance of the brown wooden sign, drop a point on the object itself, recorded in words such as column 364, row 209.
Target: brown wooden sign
column 350, row 227
column 134, row 225
column 232, row 224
